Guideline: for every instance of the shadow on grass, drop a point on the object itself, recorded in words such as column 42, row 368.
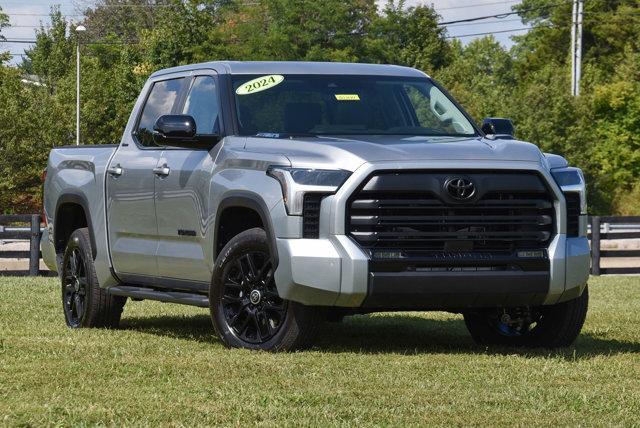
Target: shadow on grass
column 400, row 334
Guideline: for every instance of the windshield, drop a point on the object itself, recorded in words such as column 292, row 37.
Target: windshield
column 277, row 105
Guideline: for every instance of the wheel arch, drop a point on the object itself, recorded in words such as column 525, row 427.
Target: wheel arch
column 75, row 206
column 247, row 201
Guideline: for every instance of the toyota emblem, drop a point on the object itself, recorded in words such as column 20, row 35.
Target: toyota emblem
column 460, row 189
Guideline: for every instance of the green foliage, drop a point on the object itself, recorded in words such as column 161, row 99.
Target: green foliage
column 30, row 127
column 481, row 76
column 411, row 37
column 599, row 131
column 4, row 22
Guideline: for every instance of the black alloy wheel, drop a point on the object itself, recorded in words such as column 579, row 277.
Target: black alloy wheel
column 84, row 302
column 514, row 322
column 246, row 308
column 252, row 308
column 547, row 326
column 74, row 290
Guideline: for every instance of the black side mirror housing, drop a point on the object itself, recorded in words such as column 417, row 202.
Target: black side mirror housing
column 179, row 130
column 498, row 127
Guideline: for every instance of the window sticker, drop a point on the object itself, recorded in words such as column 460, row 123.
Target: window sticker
column 259, row 84
column 347, row 97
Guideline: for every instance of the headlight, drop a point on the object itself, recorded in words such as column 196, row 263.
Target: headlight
column 295, row 182
column 572, row 180
column 568, row 176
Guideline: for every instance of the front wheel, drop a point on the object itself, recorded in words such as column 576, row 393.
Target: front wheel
column 552, row 326
column 246, row 310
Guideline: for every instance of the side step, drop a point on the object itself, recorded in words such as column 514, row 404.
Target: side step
column 162, row 296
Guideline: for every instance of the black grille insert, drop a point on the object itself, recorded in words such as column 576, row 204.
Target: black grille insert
column 573, row 213
column 411, row 212
column 311, row 215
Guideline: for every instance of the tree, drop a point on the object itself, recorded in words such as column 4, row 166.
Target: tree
column 481, row 76
column 30, row 127
column 4, row 22
column 285, row 30
column 129, row 39
column 411, row 37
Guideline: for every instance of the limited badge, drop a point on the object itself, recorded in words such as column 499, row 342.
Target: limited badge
column 259, row 84
column 347, row 97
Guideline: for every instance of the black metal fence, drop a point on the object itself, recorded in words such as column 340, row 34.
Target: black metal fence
column 615, row 228
column 631, row 230
column 32, row 233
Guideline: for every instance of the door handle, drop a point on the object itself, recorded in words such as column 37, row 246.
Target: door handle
column 115, row 171
column 162, row 171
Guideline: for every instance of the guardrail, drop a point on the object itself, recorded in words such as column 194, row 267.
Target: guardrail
column 614, row 228
column 32, row 233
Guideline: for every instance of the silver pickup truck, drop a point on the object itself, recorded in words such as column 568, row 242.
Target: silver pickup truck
column 282, row 194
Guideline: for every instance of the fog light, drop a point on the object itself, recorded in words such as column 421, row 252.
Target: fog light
column 389, row 254
column 531, row 254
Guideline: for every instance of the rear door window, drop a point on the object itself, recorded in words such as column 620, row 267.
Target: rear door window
column 161, row 101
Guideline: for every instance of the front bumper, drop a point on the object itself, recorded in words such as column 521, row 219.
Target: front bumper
column 335, row 271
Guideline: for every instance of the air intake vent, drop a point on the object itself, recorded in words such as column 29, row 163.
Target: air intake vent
column 573, row 213
column 311, row 215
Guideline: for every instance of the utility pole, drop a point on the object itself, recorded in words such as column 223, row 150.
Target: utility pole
column 576, row 46
column 79, row 29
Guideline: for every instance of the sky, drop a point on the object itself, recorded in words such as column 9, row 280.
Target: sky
column 25, row 17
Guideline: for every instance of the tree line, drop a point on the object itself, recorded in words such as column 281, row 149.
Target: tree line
column 126, row 40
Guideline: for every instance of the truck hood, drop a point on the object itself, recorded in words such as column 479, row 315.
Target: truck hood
column 349, row 152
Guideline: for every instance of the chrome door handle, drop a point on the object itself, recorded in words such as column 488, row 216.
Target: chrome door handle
column 115, row 171
column 162, row 171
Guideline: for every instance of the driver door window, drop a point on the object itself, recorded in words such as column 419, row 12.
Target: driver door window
column 202, row 105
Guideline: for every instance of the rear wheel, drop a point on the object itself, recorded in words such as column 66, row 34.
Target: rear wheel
column 246, row 310
column 551, row 326
column 84, row 302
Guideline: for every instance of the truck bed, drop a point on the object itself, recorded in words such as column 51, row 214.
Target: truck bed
column 76, row 175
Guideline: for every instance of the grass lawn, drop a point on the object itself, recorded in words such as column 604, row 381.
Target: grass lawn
column 164, row 367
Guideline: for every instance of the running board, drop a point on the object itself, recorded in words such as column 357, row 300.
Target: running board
column 162, row 296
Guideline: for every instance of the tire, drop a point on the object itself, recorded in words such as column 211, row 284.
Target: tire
column 553, row 326
column 245, row 307
column 84, row 302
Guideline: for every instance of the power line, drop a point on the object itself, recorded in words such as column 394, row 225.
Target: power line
column 463, row 24
column 478, row 5
column 503, row 15
column 96, row 42
column 27, row 26
column 41, row 14
column 17, row 41
column 496, row 32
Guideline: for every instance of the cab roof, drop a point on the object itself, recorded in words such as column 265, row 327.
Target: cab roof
column 297, row 67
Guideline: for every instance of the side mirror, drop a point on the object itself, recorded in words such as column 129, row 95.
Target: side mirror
column 179, row 130
column 498, row 127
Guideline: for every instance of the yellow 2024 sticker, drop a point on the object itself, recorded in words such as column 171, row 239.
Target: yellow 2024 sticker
column 259, row 84
column 347, row 97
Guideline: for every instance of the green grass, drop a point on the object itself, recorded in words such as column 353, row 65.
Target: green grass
column 164, row 367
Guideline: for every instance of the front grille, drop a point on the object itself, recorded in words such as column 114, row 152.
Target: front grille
column 573, row 213
column 407, row 214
